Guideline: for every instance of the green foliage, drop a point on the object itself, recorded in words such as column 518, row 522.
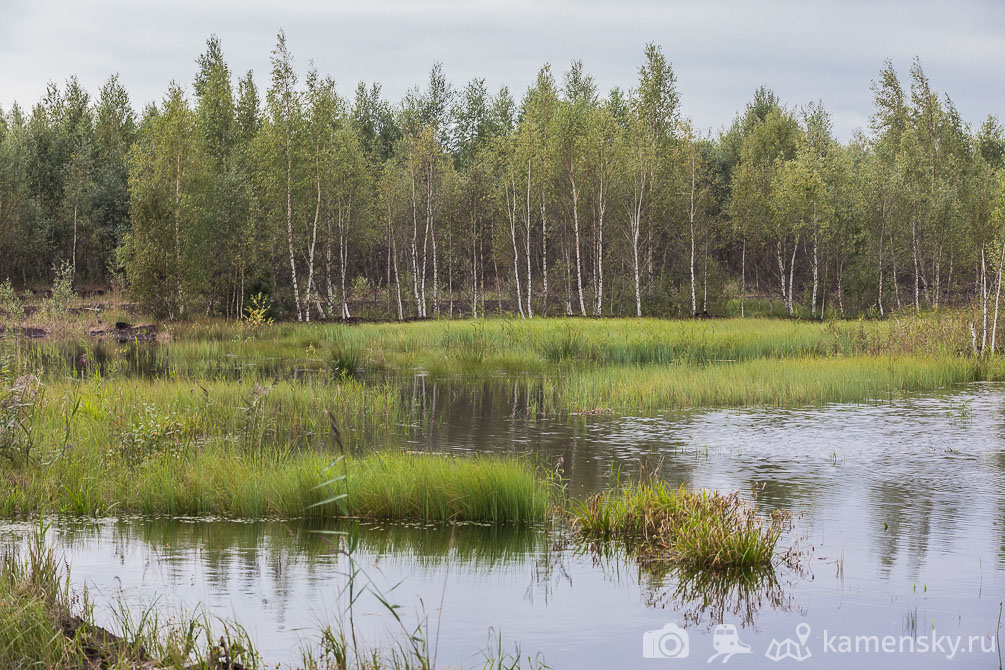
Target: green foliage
column 149, row 435
column 168, row 251
column 698, row 529
column 256, row 313
column 566, row 198
column 20, row 406
column 61, row 295
column 11, row 307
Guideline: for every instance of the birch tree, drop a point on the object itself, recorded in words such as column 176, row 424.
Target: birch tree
column 653, row 112
column 168, row 209
column 283, row 162
column 570, row 136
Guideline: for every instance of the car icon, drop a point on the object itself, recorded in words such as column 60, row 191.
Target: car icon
column 726, row 642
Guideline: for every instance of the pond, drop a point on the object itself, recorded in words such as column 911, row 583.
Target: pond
column 900, row 521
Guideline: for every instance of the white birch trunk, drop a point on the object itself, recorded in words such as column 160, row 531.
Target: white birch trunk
column 998, row 292
column 530, row 285
column 690, row 217
column 511, row 212
column 575, row 228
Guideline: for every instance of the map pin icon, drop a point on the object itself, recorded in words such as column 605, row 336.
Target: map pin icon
column 803, row 633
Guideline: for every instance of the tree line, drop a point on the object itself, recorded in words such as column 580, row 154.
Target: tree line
column 464, row 201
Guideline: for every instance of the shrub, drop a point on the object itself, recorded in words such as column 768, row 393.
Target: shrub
column 150, row 435
column 256, row 314
column 62, row 289
column 11, row 306
column 19, row 406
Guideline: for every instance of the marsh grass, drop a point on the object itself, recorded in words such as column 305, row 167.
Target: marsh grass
column 623, row 364
column 19, row 402
column 34, row 599
column 243, row 449
column 227, row 350
column 704, row 530
column 218, row 480
column 766, row 382
column 522, row 346
column 236, row 421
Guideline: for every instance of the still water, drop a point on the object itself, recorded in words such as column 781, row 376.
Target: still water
column 900, row 518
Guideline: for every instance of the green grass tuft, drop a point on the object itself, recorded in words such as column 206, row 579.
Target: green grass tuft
column 696, row 529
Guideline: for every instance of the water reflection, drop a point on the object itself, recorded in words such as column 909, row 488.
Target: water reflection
column 703, row 597
column 107, row 357
column 284, row 580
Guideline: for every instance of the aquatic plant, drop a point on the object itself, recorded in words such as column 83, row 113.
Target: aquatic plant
column 759, row 382
column 698, row 529
column 220, row 480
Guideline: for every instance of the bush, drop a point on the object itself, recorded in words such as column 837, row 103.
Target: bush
column 256, row 314
column 150, row 435
column 11, row 306
column 62, row 289
column 19, row 404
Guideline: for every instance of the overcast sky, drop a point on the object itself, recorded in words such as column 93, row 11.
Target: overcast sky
column 721, row 51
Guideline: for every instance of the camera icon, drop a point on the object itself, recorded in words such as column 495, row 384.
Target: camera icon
column 671, row 641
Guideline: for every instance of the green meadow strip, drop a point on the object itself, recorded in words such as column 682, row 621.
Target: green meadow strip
column 230, row 351
column 765, row 382
column 220, row 481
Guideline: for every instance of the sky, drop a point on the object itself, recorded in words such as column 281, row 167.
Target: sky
column 721, row 50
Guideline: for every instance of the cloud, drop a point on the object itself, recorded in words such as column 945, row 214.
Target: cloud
column 721, row 50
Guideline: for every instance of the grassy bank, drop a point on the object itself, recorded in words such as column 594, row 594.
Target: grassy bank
column 238, row 449
column 629, row 365
column 228, row 350
column 538, row 345
column 225, row 419
column 217, row 480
